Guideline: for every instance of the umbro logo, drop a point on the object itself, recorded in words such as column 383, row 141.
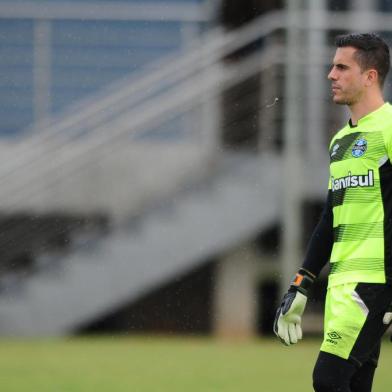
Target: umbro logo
column 333, row 337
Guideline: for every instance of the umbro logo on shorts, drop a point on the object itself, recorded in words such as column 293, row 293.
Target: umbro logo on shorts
column 333, row 337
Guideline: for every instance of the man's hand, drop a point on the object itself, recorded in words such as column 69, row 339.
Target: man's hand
column 388, row 316
column 287, row 324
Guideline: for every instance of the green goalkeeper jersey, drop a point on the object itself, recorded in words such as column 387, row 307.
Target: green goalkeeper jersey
column 361, row 186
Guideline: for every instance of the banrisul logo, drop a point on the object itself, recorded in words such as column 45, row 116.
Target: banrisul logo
column 359, row 148
column 353, row 181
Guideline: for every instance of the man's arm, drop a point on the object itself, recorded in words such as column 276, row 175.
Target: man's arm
column 287, row 324
column 320, row 244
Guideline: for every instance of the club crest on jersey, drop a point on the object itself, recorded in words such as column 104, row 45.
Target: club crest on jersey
column 359, row 148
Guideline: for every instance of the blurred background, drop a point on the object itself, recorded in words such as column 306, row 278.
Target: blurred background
column 163, row 163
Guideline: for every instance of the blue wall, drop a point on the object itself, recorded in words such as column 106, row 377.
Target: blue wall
column 86, row 56
column 16, row 76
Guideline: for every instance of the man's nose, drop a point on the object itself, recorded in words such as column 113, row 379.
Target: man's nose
column 331, row 75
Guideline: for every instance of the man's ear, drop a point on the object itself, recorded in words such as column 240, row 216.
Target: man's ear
column 372, row 77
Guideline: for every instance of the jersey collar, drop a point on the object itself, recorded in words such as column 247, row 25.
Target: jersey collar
column 368, row 116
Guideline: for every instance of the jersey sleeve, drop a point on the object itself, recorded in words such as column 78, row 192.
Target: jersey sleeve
column 388, row 145
column 320, row 245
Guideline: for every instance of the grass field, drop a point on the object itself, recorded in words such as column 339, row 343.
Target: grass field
column 156, row 364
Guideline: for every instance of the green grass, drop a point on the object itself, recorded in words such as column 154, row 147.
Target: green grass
column 149, row 364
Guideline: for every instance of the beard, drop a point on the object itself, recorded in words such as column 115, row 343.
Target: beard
column 346, row 99
column 343, row 101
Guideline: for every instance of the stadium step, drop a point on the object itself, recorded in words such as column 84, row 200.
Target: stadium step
column 194, row 225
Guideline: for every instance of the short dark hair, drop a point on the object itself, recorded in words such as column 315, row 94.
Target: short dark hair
column 372, row 52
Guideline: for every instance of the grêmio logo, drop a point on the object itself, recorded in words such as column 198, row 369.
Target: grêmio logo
column 353, row 181
column 333, row 337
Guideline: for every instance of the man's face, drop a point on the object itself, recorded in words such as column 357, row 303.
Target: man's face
column 348, row 81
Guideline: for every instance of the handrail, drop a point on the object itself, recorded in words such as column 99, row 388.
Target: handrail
column 152, row 112
column 206, row 51
column 95, row 10
column 202, row 54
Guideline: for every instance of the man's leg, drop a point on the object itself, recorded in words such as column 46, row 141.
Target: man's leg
column 362, row 380
column 353, row 330
column 335, row 374
column 332, row 373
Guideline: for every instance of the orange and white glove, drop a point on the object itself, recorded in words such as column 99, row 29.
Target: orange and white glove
column 287, row 324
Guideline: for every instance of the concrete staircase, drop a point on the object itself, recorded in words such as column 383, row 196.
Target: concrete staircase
column 201, row 221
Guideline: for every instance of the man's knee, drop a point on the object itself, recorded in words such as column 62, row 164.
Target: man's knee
column 332, row 374
column 323, row 381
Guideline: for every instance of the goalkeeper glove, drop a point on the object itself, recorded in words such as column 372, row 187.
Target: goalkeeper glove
column 388, row 318
column 287, row 324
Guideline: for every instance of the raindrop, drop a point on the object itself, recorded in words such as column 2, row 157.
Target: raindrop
column 273, row 103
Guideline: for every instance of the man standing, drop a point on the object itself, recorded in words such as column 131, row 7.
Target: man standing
column 355, row 230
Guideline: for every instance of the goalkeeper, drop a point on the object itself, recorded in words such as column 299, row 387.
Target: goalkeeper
column 355, row 230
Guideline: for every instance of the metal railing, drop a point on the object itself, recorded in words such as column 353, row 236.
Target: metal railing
column 75, row 142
